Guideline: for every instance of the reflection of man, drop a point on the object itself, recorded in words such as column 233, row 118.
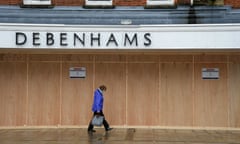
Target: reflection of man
column 97, row 108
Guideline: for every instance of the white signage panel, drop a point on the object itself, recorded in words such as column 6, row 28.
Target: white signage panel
column 210, row 73
column 107, row 37
column 77, row 72
column 99, row 2
column 160, row 2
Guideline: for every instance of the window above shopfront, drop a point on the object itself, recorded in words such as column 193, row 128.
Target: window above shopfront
column 160, row 2
column 98, row 2
column 37, row 2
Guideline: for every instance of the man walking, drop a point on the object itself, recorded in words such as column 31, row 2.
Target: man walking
column 97, row 108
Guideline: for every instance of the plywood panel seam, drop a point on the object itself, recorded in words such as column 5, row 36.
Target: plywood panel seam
column 215, row 62
column 94, row 72
column 110, row 62
column 193, row 91
column 13, row 61
column 228, row 95
column 126, row 99
column 159, row 93
column 60, row 92
column 175, row 62
column 33, row 61
column 78, row 62
column 27, row 97
column 143, row 62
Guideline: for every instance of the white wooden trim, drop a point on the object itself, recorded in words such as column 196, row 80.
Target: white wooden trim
column 98, row 3
column 36, row 2
column 160, row 2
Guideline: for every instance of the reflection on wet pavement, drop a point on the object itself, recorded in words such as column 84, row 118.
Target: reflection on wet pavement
column 119, row 136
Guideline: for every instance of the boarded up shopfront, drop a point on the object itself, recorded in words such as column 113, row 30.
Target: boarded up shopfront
column 151, row 81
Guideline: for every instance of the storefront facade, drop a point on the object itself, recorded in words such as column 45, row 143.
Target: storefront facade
column 233, row 3
column 158, row 75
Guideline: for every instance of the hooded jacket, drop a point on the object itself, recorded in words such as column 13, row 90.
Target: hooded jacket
column 98, row 101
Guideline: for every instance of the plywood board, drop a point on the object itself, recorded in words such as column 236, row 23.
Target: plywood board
column 144, row 58
column 211, row 97
column 45, row 57
column 76, row 95
column 176, row 58
column 110, row 58
column 176, row 103
column 234, row 58
column 234, row 93
column 144, row 89
column 113, row 75
column 210, row 58
column 13, row 57
column 13, row 88
column 77, row 58
column 143, row 94
column 44, row 93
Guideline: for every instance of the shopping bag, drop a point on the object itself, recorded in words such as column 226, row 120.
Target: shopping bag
column 97, row 120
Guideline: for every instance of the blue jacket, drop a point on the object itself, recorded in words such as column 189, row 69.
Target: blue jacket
column 98, row 101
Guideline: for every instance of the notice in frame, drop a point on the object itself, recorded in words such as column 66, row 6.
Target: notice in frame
column 210, row 73
column 77, row 72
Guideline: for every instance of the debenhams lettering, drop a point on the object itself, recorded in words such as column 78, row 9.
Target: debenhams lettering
column 83, row 39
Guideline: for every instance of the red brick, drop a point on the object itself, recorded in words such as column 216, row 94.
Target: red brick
column 184, row 2
column 129, row 2
column 233, row 3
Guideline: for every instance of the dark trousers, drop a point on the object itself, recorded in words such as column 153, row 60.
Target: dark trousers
column 105, row 123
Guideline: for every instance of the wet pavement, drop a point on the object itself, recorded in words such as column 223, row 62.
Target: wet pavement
column 118, row 136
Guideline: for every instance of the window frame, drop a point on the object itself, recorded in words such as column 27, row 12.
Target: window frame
column 98, row 2
column 37, row 2
column 160, row 2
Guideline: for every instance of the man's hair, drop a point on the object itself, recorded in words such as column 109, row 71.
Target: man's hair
column 103, row 87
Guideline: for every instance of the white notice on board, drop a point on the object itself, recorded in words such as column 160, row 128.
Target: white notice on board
column 77, row 72
column 210, row 73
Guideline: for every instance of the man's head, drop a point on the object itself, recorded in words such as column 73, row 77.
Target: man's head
column 103, row 88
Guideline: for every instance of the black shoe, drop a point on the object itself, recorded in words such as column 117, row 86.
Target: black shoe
column 91, row 131
column 108, row 129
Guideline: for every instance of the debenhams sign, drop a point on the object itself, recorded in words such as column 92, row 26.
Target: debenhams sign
column 82, row 39
column 105, row 37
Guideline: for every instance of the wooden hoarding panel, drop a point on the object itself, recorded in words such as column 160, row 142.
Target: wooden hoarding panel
column 176, row 103
column 234, row 94
column 77, row 94
column 143, row 94
column 113, row 75
column 211, row 97
column 44, row 93
column 13, row 87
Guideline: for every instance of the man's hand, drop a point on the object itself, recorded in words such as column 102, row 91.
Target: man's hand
column 98, row 114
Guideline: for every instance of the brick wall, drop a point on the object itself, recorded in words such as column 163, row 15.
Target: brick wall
column 115, row 2
column 10, row 2
column 233, row 3
column 184, row 2
column 80, row 2
column 68, row 2
column 55, row 2
column 129, row 2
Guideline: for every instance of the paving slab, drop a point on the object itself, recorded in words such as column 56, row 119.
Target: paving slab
column 118, row 136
